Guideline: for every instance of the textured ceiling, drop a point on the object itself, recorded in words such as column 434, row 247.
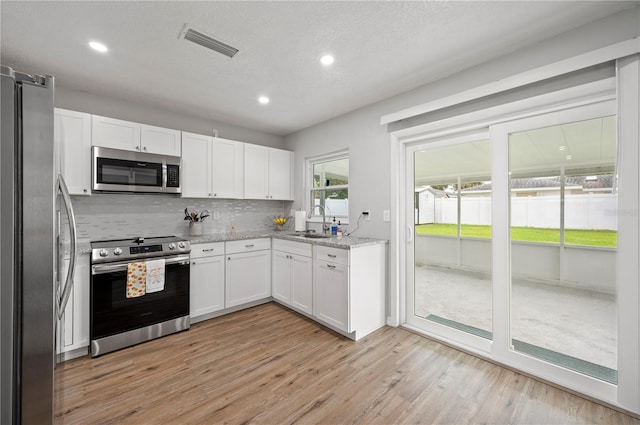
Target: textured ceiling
column 381, row 49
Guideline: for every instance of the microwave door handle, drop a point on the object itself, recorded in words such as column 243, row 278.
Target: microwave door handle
column 164, row 175
column 68, row 284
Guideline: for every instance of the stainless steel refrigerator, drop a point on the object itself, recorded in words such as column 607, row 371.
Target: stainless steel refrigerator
column 33, row 293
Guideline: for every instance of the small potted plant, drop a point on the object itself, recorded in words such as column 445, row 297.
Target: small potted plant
column 195, row 220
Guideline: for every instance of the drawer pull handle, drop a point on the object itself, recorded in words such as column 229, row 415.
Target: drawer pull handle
column 208, row 250
column 332, row 255
column 331, row 266
column 249, row 246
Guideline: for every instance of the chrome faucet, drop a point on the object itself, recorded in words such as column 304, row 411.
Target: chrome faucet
column 325, row 227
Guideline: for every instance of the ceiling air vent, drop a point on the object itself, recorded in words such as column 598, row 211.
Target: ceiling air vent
column 207, row 41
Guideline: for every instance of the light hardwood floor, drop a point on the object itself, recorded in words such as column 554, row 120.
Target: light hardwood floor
column 268, row 365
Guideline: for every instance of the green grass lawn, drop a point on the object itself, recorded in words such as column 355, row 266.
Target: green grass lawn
column 606, row 238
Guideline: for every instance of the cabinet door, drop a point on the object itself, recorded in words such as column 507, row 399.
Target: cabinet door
column 248, row 277
column 280, row 178
column 196, row 166
column 256, row 172
column 281, row 277
column 116, row 134
column 164, row 141
column 81, row 303
column 75, row 320
column 73, row 139
column 331, row 293
column 302, row 283
column 227, row 169
column 206, row 285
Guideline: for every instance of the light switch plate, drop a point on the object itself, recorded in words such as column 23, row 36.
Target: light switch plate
column 386, row 215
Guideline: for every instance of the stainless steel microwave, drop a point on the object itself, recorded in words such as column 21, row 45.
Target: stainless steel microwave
column 115, row 170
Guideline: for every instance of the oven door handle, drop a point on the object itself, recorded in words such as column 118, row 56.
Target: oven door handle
column 111, row 267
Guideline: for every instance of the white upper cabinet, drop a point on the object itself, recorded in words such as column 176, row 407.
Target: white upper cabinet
column 73, row 139
column 267, row 173
column 227, row 169
column 196, row 166
column 280, row 174
column 116, row 134
column 160, row 140
column 212, row 167
column 132, row 136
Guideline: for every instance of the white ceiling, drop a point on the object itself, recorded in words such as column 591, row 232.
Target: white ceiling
column 381, row 49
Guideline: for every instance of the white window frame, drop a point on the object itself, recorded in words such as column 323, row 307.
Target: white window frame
column 309, row 163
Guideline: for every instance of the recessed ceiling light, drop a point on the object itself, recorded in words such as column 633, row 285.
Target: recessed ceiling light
column 569, row 157
column 98, row 46
column 327, row 60
column 263, row 99
column 561, row 148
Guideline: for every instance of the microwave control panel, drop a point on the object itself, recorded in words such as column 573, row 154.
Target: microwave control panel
column 173, row 176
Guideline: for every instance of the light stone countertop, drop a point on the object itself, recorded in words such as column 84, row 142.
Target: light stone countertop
column 344, row 242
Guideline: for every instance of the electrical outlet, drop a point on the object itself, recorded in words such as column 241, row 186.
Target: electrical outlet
column 386, row 215
column 367, row 215
column 216, row 215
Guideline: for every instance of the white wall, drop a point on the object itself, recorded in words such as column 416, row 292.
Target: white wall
column 124, row 110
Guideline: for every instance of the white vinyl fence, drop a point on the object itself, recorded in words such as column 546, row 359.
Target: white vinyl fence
column 588, row 211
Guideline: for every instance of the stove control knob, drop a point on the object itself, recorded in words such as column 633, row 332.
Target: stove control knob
column 103, row 252
column 172, row 246
column 117, row 251
column 181, row 245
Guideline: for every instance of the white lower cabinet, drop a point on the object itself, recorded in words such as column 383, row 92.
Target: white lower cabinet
column 74, row 324
column 206, row 291
column 349, row 288
column 343, row 289
column 331, row 294
column 292, row 275
column 248, row 271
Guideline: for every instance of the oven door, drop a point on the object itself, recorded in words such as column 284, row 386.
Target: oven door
column 113, row 313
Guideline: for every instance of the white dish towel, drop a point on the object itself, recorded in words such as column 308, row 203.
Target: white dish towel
column 155, row 276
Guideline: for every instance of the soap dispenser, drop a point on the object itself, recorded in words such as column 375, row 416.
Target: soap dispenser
column 334, row 227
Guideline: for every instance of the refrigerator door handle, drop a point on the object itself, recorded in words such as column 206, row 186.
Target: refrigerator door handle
column 68, row 284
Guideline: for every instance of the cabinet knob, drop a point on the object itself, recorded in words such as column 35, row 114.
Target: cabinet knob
column 84, row 190
column 137, row 148
column 144, row 149
column 215, row 194
column 209, row 195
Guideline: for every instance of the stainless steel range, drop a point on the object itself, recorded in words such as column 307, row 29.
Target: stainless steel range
column 139, row 291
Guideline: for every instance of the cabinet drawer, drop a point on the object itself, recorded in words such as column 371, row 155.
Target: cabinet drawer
column 247, row 245
column 207, row 249
column 299, row 248
column 335, row 255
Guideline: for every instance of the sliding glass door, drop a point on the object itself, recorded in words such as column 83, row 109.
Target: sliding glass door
column 451, row 204
column 563, row 198
column 543, row 292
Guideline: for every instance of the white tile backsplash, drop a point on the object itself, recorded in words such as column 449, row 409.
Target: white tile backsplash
column 117, row 216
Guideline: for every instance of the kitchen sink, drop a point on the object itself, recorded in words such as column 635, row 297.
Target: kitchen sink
column 313, row 236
